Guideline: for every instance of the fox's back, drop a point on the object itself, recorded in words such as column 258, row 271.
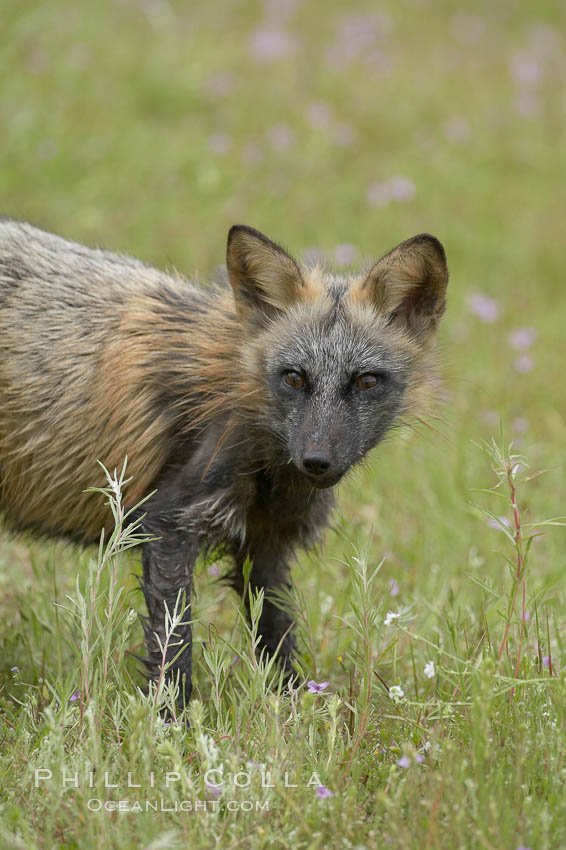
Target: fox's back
column 73, row 385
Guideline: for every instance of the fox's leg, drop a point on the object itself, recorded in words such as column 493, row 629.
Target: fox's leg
column 168, row 565
column 271, row 572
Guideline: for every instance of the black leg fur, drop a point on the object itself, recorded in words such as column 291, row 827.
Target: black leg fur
column 270, row 572
column 168, row 564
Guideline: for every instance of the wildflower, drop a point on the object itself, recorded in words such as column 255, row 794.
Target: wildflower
column 220, row 143
column 14, row 669
column 486, row 309
column 499, row 522
column 522, row 338
column 269, row 45
column 74, row 696
column 429, row 670
column 317, row 688
column 389, row 617
column 396, row 693
column 520, row 425
column 252, row 154
column 339, row 658
column 524, row 364
column 319, row 114
column 345, row 254
column 322, row 792
column 406, row 761
column 525, row 68
column 343, row 135
column 220, row 84
column 490, row 417
column 402, row 189
column 393, row 587
column 281, row 137
column 215, row 790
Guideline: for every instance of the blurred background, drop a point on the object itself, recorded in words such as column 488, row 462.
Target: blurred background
column 151, row 126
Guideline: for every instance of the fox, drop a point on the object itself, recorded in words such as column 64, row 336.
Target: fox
column 240, row 405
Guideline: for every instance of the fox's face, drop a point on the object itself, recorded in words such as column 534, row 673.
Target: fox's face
column 336, row 360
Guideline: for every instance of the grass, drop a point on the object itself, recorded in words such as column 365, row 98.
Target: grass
column 150, row 128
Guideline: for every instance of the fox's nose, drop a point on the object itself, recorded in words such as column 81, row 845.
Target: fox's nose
column 316, row 462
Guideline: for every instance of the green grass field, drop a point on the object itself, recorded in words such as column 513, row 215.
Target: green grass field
column 150, row 126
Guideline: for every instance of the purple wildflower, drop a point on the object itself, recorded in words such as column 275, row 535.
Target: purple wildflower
column 524, row 364
column 220, row 143
column 319, row 114
column 486, row 309
column 402, row 189
column 322, row 792
column 345, row 254
column 280, row 136
column 215, row 790
column 75, row 696
column 269, row 45
column 497, row 523
column 490, row 417
column 393, row 587
column 378, row 194
column 220, row 84
column 404, row 761
column 252, row 154
column 520, row 425
column 528, row 104
column 343, row 135
column 522, row 338
column 525, row 68
column 317, row 688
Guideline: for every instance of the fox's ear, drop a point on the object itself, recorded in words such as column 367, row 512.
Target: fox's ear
column 408, row 284
column 265, row 279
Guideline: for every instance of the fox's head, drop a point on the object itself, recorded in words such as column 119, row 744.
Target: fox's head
column 335, row 360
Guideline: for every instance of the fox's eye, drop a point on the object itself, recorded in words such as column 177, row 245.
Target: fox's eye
column 367, row 381
column 295, row 380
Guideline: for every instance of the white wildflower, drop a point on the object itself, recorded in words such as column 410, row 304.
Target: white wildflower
column 429, row 670
column 396, row 693
column 389, row 617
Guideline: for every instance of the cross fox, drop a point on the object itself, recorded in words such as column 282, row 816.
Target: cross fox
column 241, row 406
